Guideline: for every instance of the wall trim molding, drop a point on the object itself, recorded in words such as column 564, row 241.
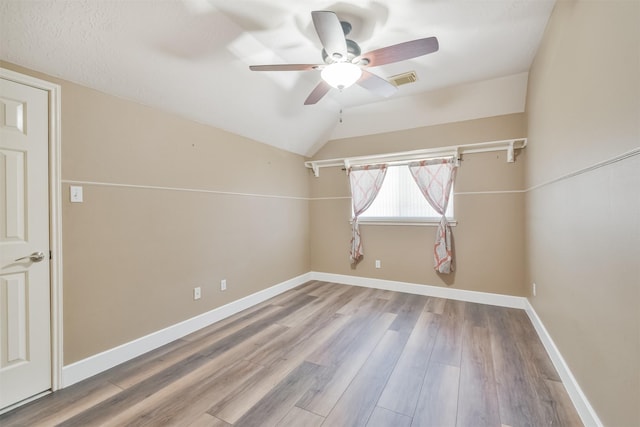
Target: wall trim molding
column 580, row 402
column 455, row 193
column 183, row 189
column 598, row 165
column 100, row 362
column 423, row 289
column 330, row 198
column 473, row 193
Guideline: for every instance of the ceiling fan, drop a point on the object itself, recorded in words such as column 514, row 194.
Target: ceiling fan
column 344, row 62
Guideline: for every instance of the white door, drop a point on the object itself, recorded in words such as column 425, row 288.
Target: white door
column 25, row 333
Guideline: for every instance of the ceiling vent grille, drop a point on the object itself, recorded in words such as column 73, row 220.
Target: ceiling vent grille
column 404, row 78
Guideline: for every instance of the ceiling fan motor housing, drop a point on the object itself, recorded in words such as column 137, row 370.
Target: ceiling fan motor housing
column 353, row 50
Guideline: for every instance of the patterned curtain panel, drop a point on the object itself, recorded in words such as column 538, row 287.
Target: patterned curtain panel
column 435, row 179
column 365, row 184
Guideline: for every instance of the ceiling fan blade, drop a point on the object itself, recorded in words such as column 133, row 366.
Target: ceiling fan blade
column 330, row 33
column 399, row 52
column 376, row 84
column 317, row 93
column 286, row 67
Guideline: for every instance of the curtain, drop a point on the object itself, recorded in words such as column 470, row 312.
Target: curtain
column 365, row 184
column 435, row 178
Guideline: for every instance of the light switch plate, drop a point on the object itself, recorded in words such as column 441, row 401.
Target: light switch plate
column 75, row 192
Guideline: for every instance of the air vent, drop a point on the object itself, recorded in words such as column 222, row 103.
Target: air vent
column 403, row 79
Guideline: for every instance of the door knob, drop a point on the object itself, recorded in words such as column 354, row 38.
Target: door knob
column 34, row 257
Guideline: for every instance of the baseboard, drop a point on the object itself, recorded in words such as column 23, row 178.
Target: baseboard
column 93, row 365
column 419, row 289
column 582, row 405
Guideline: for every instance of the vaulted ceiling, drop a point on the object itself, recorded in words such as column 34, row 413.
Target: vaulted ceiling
column 192, row 58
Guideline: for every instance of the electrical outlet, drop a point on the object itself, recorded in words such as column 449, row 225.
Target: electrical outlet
column 197, row 293
column 377, row 263
column 533, row 289
column 223, row 284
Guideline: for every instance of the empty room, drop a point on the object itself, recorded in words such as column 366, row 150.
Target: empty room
column 353, row 213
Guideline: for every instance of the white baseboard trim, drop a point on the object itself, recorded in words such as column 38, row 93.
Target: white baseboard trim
column 428, row 290
column 93, row 365
column 582, row 405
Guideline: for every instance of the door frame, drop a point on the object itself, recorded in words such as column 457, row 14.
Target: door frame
column 55, row 215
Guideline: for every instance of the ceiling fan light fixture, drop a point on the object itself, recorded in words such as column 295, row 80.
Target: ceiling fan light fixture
column 341, row 75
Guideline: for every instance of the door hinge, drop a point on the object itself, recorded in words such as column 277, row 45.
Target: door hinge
column 50, row 254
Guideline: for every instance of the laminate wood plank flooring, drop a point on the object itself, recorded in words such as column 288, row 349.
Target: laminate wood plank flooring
column 383, row 418
column 438, row 401
column 403, row 388
column 477, row 395
column 329, row 355
column 301, row 418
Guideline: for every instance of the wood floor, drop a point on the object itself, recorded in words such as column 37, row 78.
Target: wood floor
column 330, row 355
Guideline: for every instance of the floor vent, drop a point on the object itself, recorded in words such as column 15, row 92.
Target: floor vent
column 403, row 79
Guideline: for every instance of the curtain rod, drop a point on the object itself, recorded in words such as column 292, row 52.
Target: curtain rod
column 509, row 145
column 408, row 161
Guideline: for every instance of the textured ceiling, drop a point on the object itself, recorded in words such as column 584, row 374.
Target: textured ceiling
column 191, row 58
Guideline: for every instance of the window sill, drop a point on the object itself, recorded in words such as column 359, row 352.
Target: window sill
column 404, row 221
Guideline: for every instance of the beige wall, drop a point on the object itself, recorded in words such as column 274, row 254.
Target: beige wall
column 133, row 255
column 489, row 239
column 583, row 233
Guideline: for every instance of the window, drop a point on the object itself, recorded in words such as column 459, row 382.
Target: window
column 400, row 200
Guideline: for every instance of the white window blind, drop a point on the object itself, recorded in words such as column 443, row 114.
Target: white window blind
column 401, row 199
